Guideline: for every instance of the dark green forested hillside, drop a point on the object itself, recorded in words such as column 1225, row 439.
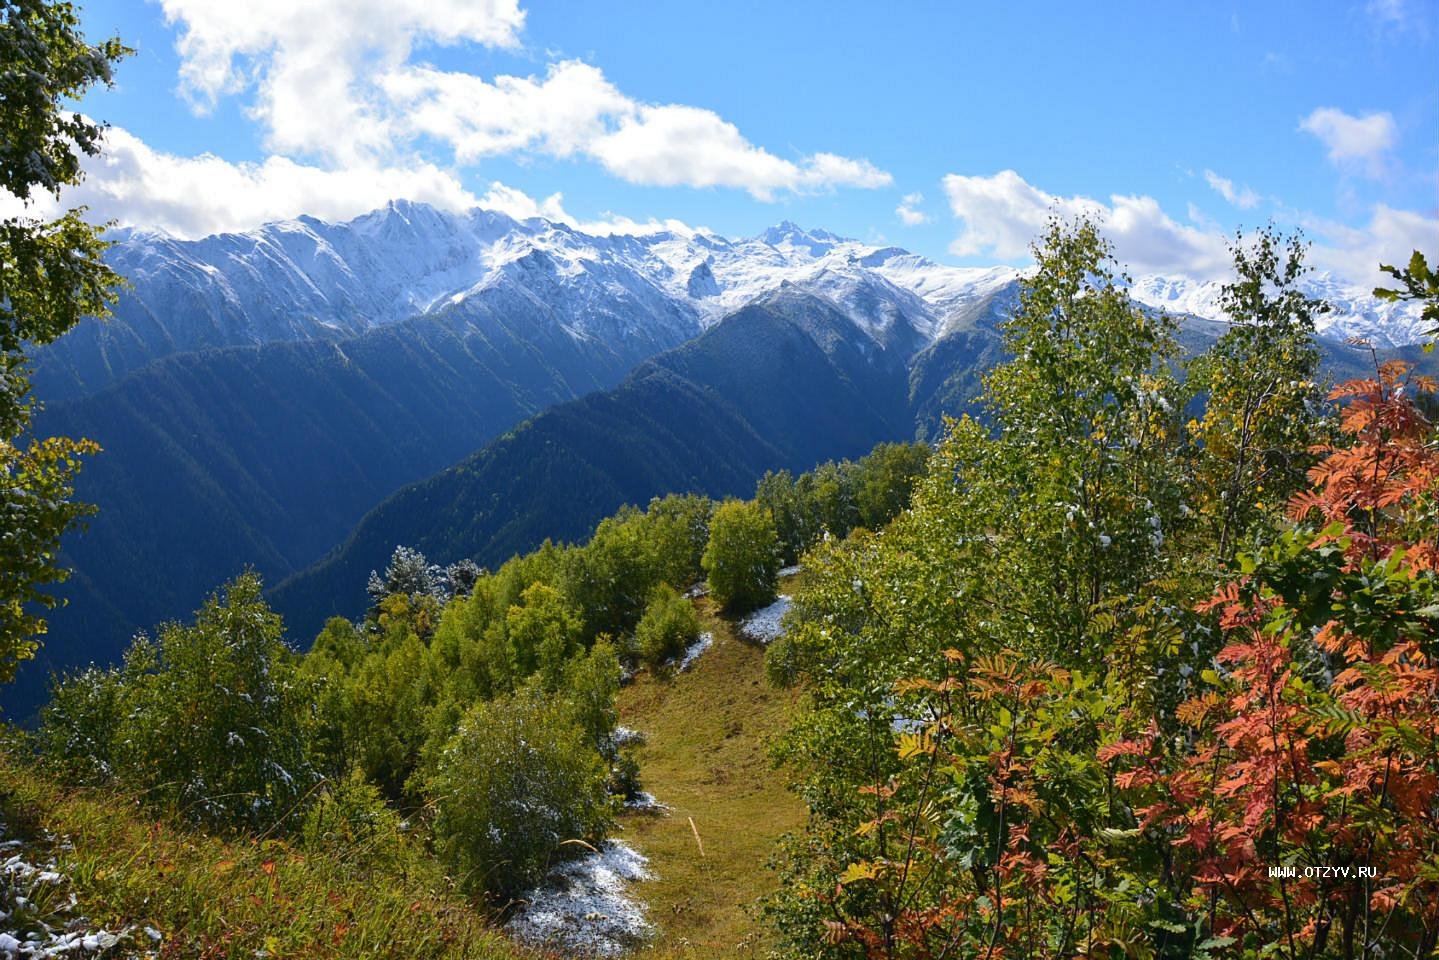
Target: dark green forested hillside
column 784, row 383
column 265, row 456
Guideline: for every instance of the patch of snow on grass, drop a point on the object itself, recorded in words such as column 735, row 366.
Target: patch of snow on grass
column 763, row 626
column 645, row 802
column 585, row 911
column 35, row 920
column 692, row 652
column 626, row 737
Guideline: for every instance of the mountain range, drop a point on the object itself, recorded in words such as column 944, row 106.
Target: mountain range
column 302, row 397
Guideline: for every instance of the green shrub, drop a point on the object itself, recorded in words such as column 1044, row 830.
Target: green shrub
column 78, row 725
column 669, row 625
column 212, row 721
column 742, row 557
column 513, row 790
column 351, row 820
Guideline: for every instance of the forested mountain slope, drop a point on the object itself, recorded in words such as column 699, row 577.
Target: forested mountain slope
column 267, row 455
column 784, row 383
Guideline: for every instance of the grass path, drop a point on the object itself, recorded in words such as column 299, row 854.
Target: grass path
column 706, row 757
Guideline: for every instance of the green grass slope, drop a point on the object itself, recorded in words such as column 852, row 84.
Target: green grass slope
column 706, row 757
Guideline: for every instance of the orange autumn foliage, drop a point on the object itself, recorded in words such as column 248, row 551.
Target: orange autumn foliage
column 1319, row 750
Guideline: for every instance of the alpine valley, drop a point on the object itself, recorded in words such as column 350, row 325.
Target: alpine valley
column 301, row 398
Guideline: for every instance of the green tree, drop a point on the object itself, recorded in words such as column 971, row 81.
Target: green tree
column 741, row 559
column 390, row 698
column 669, row 625
column 833, row 498
column 780, row 495
column 515, row 783
column 678, row 528
column 886, row 479
column 609, row 579
column 543, row 631
column 1419, row 284
column 51, row 275
column 1262, row 401
column 1041, row 538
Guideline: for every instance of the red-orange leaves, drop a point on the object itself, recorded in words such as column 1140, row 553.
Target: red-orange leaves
column 1371, row 486
column 1308, row 809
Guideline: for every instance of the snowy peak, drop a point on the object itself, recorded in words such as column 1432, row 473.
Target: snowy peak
column 306, row 278
column 790, row 236
column 1354, row 310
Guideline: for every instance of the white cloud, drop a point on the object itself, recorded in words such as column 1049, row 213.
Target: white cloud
column 521, row 206
column 193, row 197
column 1350, row 140
column 558, row 115
column 1002, row 214
column 1397, row 15
column 1354, row 253
column 574, row 109
column 196, row 196
column 311, row 63
column 338, row 80
column 352, row 119
column 1242, row 197
column 908, row 210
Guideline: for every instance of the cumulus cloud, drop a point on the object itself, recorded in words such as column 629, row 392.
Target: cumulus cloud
column 338, row 80
column 1354, row 253
column 191, row 197
column 311, row 65
column 352, row 116
column 908, row 210
column 516, row 203
column 1003, row 213
column 1352, row 141
column 574, row 110
column 1241, row 197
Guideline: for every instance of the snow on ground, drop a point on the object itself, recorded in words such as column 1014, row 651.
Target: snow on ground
column 645, row 802
column 626, row 737
column 37, row 915
column 585, row 910
column 692, row 652
column 763, row 626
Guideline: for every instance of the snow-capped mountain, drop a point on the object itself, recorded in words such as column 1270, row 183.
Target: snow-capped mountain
column 306, row 279
column 1354, row 311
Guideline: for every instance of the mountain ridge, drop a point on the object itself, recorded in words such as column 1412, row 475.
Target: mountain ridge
column 305, row 278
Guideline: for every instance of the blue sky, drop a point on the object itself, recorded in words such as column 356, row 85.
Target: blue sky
column 949, row 129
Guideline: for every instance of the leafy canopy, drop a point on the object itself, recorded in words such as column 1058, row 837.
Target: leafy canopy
column 51, row 275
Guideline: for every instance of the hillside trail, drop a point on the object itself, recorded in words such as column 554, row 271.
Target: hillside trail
column 706, row 758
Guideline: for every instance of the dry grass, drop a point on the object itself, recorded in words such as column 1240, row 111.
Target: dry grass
column 216, row 900
column 706, row 756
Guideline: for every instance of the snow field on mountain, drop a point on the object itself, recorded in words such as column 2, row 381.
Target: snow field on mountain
column 302, row 278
